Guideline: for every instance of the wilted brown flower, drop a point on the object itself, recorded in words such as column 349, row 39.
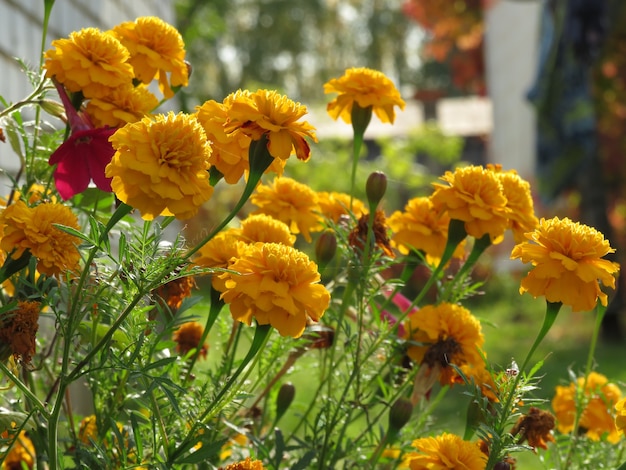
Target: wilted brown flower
column 358, row 236
column 188, row 337
column 174, row 292
column 535, row 427
column 17, row 331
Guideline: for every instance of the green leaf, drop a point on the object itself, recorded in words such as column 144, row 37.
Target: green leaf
column 207, row 451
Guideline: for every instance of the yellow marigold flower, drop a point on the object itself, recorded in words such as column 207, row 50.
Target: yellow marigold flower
column 445, row 451
column 421, row 227
column 123, row 105
column 620, row 415
column 266, row 112
column 263, row 228
column 247, row 464
column 567, row 263
column 88, row 429
column 188, row 337
column 20, row 455
column 444, row 334
column 290, row 202
column 535, row 428
column 217, row 253
column 475, row 196
column 277, row 285
column 160, row 166
column 519, row 202
column 597, row 418
column 18, row 330
column 156, row 49
column 33, row 229
column 334, row 205
column 89, row 61
column 366, row 87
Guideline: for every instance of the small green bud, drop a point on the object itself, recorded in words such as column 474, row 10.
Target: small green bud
column 325, row 247
column 285, row 396
column 399, row 414
column 375, row 188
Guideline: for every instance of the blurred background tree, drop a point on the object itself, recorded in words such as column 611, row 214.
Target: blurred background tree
column 293, row 45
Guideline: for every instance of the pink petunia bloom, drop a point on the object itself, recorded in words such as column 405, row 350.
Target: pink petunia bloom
column 83, row 156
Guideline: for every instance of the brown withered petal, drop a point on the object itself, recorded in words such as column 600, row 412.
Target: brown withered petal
column 358, row 236
column 18, row 329
column 535, row 427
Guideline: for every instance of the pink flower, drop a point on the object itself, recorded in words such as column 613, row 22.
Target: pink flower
column 402, row 303
column 83, row 156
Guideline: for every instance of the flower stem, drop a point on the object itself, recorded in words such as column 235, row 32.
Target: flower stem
column 552, row 310
column 360, row 120
column 25, row 390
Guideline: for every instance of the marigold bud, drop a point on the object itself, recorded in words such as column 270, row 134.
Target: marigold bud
column 325, row 248
column 400, row 413
column 285, row 396
column 375, row 188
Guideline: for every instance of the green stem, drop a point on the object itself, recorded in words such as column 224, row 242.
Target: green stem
column 25, row 390
column 480, row 245
column 360, row 120
column 580, row 391
column 552, row 310
column 260, row 159
column 261, row 335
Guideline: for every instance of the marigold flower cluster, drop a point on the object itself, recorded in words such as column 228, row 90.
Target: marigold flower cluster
column 597, row 419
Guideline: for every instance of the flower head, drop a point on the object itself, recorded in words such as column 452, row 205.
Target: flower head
column 277, row 285
column 263, row 228
column 474, row 195
column 290, row 202
column 123, row 105
column 18, row 330
column 535, row 427
column 33, row 229
column 270, row 113
column 20, row 455
column 88, row 429
column 247, row 464
column 188, row 337
column 83, row 156
column 597, row 418
column 367, row 88
column 173, row 293
column 445, row 451
column 156, row 49
column 89, row 61
column 333, row 205
column 217, row 253
column 160, row 166
column 567, row 263
column 421, row 227
column 444, row 334
column 358, row 236
column 519, row 202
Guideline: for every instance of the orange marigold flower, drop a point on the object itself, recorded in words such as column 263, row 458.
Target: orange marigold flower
column 123, row 105
column 277, row 285
column 475, row 196
column 18, row 330
column 519, row 202
column 266, row 112
column 366, row 87
column 174, row 292
column 620, row 415
column 535, row 427
column 358, row 236
column 334, row 205
column 247, row 464
column 263, row 228
column 567, row 263
column 88, row 429
column 188, row 337
column 444, row 334
column 445, row 451
column 217, row 253
column 597, row 418
column 421, row 227
column 20, row 455
column 290, row 202
column 160, row 166
column 89, row 61
column 33, row 229
column 156, row 49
